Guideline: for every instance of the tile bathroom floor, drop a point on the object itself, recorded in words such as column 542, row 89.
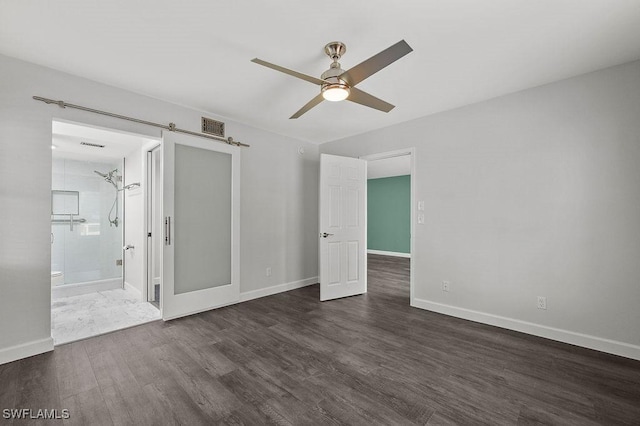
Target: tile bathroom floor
column 78, row 317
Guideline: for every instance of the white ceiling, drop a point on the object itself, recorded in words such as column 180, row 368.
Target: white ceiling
column 198, row 52
column 67, row 138
column 389, row 167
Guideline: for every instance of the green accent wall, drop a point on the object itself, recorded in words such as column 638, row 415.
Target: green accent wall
column 389, row 214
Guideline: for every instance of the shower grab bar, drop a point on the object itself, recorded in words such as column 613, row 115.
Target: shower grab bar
column 58, row 221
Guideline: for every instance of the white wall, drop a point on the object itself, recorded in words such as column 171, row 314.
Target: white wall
column 278, row 222
column 532, row 194
column 134, row 232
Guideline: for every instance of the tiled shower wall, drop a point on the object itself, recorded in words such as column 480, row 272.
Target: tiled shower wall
column 88, row 252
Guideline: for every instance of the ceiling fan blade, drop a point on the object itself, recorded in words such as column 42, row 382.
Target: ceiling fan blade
column 375, row 63
column 313, row 102
column 297, row 74
column 363, row 98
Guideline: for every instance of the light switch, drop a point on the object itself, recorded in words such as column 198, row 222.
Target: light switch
column 421, row 205
column 421, row 219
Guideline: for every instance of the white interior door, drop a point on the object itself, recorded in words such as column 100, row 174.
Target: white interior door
column 343, row 226
column 201, row 211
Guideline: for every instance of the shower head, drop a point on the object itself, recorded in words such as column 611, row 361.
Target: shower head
column 109, row 177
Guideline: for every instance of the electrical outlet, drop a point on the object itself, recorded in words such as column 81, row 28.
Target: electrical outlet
column 421, row 205
column 421, row 218
column 268, row 272
column 542, row 302
column 445, row 285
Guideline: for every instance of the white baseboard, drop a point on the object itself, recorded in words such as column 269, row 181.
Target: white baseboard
column 255, row 294
column 68, row 290
column 389, row 253
column 587, row 341
column 25, row 350
column 133, row 288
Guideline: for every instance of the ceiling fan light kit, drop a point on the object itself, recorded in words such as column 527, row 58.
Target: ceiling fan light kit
column 338, row 85
column 335, row 92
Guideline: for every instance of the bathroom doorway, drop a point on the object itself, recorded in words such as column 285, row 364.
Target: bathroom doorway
column 98, row 253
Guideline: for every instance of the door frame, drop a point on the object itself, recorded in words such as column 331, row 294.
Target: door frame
column 145, row 193
column 148, row 210
column 411, row 152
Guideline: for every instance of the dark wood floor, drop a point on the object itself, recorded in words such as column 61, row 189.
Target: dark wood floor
column 290, row 359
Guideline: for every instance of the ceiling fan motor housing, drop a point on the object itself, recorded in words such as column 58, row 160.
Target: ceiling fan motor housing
column 331, row 76
column 334, row 50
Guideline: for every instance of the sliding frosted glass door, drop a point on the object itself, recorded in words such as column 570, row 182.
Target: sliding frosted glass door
column 201, row 189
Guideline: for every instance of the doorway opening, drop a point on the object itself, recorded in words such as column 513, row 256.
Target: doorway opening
column 390, row 223
column 98, row 253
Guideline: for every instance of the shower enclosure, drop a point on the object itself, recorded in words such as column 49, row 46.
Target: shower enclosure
column 86, row 226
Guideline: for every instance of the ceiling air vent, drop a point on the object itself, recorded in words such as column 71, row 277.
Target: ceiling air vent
column 212, row 127
column 95, row 145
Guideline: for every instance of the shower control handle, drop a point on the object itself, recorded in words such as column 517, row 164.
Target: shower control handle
column 167, row 231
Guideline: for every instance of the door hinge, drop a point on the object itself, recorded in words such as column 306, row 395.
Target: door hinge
column 148, row 234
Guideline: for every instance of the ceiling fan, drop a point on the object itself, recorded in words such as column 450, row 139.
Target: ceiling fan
column 338, row 85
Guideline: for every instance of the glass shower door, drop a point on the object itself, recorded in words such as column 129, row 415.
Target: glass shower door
column 86, row 232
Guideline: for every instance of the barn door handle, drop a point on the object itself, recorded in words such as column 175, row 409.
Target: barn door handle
column 167, row 231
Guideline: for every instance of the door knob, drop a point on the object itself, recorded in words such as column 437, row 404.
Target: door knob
column 325, row 235
column 128, row 247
